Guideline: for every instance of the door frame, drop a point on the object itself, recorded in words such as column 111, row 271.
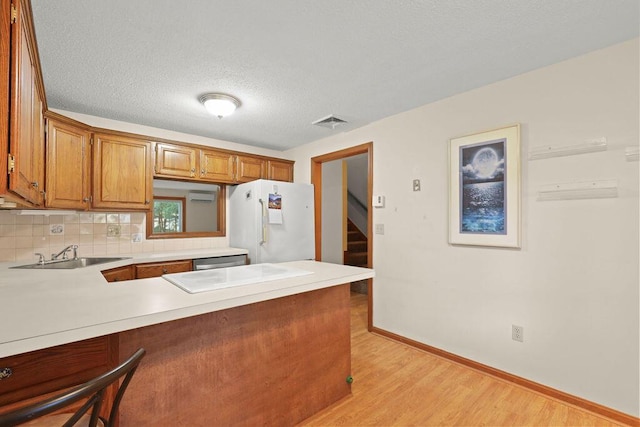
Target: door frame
column 316, row 180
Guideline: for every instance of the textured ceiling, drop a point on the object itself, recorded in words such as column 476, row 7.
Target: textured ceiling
column 292, row 62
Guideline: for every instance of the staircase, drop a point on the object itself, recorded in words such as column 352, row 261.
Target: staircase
column 356, row 254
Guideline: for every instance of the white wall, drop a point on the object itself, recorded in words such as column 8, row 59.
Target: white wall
column 574, row 284
column 332, row 212
column 357, row 182
column 357, row 174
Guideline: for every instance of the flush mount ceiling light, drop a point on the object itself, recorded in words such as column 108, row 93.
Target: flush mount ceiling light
column 219, row 104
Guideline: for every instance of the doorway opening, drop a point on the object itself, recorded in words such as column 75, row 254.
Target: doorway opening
column 318, row 182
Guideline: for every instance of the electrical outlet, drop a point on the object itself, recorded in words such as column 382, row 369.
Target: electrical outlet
column 113, row 230
column 56, row 229
column 517, row 333
column 379, row 228
column 416, row 185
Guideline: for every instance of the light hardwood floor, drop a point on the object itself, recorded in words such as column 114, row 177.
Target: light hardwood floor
column 397, row 385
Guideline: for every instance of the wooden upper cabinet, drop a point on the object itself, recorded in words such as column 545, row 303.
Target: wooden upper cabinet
column 68, row 161
column 280, row 170
column 180, row 161
column 175, row 161
column 5, row 59
column 26, row 123
column 122, row 172
column 250, row 168
column 216, row 166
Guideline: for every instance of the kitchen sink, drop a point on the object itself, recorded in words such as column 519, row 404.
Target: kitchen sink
column 67, row 264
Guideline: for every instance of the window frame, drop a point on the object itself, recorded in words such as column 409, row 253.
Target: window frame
column 222, row 221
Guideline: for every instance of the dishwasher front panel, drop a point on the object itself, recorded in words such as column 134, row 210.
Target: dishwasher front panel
column 219, row 262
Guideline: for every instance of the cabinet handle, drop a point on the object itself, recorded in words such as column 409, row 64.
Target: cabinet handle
column 164, row 271
column 35, row 184
column 202, row 172
column 5, row 373
column 146, row 202
column 86, row 199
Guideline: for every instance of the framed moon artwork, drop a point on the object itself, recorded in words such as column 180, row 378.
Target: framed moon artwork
column 484, row 188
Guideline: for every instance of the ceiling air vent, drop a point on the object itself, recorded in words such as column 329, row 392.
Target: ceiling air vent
column 329, row 122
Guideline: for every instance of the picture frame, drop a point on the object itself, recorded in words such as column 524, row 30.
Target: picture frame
column 484, row 188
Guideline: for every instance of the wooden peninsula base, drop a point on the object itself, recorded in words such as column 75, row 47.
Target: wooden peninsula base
column 275, row 362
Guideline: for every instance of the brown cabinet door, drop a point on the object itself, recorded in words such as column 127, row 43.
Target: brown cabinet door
column 37, row 153
column 122, row 175
column 5, row 55
column 119, row 274
column 26, row 134
column 216, row 166
column 175, row 160
column 157, row 269
column 51, row 369
column 249, row 168
column 280, row 171
column 68, row 166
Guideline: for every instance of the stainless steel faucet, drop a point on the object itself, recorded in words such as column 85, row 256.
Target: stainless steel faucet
column 64, row 253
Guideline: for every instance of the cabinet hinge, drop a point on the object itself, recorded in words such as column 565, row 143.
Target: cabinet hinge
column 14, row 14
column 11, row 164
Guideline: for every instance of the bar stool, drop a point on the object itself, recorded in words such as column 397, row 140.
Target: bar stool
column 38, row 414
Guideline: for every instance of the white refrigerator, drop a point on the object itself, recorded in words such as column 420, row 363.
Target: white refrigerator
column 273, row 220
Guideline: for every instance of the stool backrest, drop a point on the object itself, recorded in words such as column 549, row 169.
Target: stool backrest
column 93, row 390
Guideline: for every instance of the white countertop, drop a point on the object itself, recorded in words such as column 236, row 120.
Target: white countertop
column 44, row 308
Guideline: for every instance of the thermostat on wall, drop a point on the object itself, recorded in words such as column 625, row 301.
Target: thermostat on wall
column 378, row 201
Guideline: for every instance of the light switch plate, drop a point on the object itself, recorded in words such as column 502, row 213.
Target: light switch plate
column 378, row 201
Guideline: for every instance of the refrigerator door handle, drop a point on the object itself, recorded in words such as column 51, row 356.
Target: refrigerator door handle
column 263, row 234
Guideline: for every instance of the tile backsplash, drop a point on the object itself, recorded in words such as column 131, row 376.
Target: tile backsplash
column 95, row 233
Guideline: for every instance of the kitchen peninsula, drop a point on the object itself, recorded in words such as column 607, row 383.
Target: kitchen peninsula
column 267, row 353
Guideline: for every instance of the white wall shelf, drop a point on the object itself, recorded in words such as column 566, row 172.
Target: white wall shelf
column 579, row 190
column 547, row 152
